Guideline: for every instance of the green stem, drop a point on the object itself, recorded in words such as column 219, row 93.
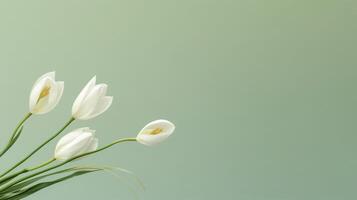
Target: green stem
column 10, row 142
column 41, row 165
column 67, row 161
column 38, row 148
column 29, row 169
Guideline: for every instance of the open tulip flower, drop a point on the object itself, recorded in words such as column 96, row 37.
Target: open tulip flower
column 45, row 94
column 155, row 132
column 92, row 101
column 79, row 143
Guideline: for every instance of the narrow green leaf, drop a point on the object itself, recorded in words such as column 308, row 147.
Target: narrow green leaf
column 21, row 185
column 21, row 188
column 33, row 180
column 8, row 178
column 35, row 188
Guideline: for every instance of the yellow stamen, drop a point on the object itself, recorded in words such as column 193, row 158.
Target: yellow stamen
column 45, row 91
column 156, row 131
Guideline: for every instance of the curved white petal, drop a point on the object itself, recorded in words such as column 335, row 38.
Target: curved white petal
column 35, row 93
column 46, row 103
column 75, row 143
column 151, row 140
column 68, row 138
column 38, row 104
column 100, row 108
column 57, row 95
column 45, row 94
column 92, row 146
column 92, row 101
column 50, row 75
column 60, row 89
column 79, row 100
column 160, row 123
column 147, row 137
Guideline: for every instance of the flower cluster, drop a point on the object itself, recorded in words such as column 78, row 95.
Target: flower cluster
column 91, row 102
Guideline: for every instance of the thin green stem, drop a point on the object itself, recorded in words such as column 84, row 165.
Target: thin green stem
column 29, row 169
column 11, row 142
column 38, row 148
column 67, row 161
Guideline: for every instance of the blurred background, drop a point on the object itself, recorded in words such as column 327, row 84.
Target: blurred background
column 263, row 94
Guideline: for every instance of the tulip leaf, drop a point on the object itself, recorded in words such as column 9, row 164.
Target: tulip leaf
column 23, row 184
column 7, row 179
column 15, row 189
column 23, row 189
column 18, row 186
column 20, row 194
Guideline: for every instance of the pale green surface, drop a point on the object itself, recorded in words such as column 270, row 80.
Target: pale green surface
column 263, row 93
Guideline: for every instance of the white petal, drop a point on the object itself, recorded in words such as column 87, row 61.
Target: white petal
column 91, row 101
column 35, row 93
column 101, row 107
column 160, row 123
column 151, row 140
column 78, row 102
column 92, row 146
column 74, row 147
column 50, row 75
column 146, row 138
column 46, row 104
column 60, row 88
column 69, row 137
column 56, row 94
column 35, row 104
column 43, row 104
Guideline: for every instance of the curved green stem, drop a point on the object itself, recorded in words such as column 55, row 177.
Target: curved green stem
column 67, row 161
column 11, row 142
column 41, row 165
column 38, row 148
column 29, row 169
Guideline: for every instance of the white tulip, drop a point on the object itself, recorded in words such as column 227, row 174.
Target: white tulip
column 155, row 132
column 77, row 142
column 45, row 94
column 92, row 101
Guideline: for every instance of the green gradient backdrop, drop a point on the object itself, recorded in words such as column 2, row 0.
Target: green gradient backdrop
column 262, row 93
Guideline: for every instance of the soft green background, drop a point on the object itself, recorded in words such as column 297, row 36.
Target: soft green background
column 263, row 93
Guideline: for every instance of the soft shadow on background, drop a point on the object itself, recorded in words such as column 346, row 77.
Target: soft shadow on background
column 263, row 94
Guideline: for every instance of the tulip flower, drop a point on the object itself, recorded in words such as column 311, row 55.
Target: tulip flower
column 77, row 142
column 155, row 132
column 91, row 101
column 45, row 94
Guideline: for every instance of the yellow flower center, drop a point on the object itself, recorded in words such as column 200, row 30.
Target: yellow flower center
column 156, row 131
column 45, row 91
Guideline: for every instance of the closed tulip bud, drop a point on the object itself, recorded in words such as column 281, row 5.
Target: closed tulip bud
column 91, row 101
column 155, row 132
column 45, row 94
column 75, row 143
